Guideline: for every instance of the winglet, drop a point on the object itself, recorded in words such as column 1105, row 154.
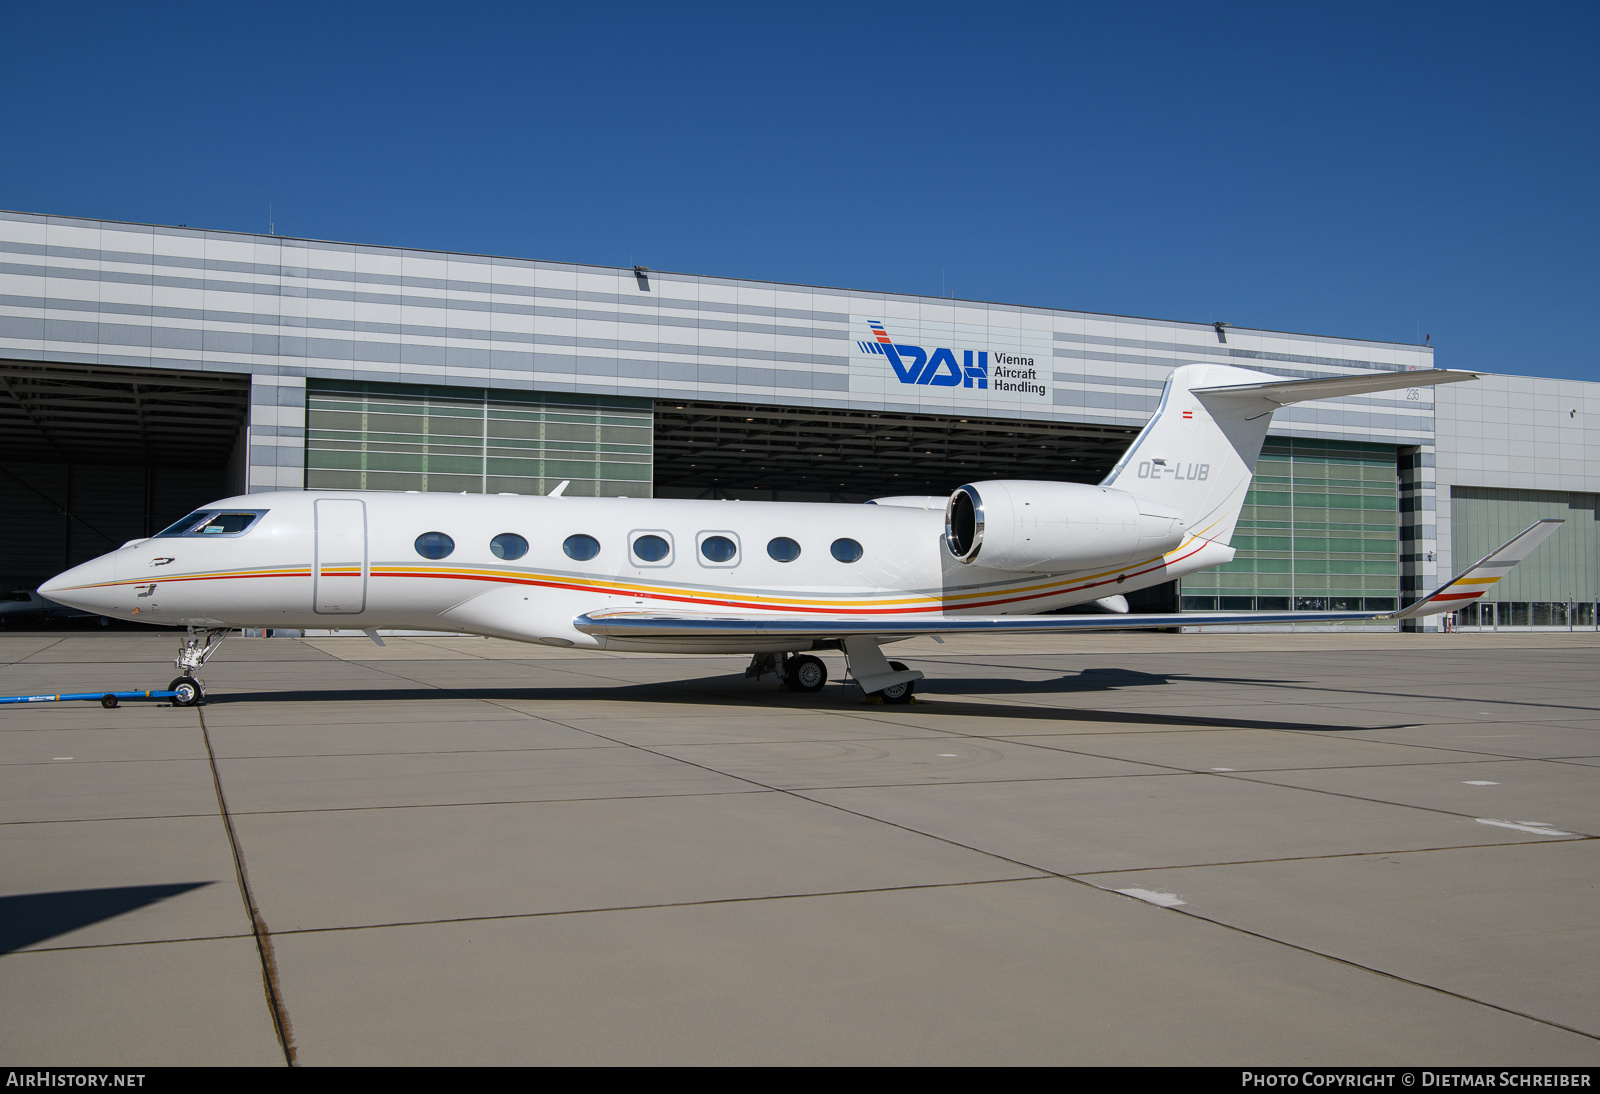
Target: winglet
column 1470, row 586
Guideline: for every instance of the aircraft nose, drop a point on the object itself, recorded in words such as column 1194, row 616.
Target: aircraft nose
column 87, row 587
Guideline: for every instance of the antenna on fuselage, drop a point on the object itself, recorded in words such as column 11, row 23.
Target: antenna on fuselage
column 556, row 493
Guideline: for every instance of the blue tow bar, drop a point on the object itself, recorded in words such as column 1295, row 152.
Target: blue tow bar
column 108, row 699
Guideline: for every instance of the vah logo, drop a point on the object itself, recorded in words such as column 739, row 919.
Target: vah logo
column 989, row 370
column 913, row 365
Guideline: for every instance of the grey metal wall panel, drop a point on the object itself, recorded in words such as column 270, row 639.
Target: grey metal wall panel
column 100, row 291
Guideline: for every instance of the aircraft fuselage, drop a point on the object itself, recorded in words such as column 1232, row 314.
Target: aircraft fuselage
column 361, row 560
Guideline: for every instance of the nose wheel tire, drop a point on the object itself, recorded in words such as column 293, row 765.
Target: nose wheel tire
column 186, row 691
column 805, row 673
column 898, row 693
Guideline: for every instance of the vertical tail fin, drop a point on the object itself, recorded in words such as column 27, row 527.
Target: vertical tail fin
column 1199, row 451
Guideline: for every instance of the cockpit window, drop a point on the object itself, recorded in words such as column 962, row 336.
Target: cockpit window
column 211, row 522
column 183, row 525
column 227, row 524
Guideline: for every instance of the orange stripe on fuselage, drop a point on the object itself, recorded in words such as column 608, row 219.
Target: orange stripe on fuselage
column 815, row 607
column 881, row 606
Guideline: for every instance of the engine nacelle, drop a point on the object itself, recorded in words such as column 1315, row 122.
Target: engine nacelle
column 1054, row 527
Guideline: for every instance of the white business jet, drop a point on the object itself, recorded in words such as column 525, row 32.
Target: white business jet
column 778, row 580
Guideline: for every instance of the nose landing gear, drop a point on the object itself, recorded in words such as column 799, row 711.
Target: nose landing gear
column 186, row 691
column 197, row 649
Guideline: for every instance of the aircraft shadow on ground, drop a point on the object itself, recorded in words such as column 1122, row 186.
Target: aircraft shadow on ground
column 735, row 691
column 27, row 918
column 1087, row 680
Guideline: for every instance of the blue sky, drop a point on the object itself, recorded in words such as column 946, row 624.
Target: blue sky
column 1369, row 170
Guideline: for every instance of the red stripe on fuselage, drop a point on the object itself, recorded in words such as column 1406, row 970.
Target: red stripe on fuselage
column 684, row 598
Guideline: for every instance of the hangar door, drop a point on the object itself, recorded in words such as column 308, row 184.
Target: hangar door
column 725, row 450
column 92, row 456
column 381, row 436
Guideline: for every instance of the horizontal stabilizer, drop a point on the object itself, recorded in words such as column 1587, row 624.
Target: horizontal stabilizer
column 1278, row 393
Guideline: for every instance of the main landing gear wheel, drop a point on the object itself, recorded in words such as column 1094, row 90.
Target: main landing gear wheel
column 898, row 693
column 806, row 673
column 187, row 691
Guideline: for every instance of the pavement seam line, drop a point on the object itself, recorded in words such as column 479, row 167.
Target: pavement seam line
column 1039, row 876
column 1377, row 972
column 1068, row 877
column 258, row 927
column 1336, row 855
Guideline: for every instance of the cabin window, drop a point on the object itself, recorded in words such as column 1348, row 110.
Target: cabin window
column 581, row 548
column 783, row 549
column 435, row 545
column 509, row 546
column 846, row 550
column 651, row 548
column 720, row 549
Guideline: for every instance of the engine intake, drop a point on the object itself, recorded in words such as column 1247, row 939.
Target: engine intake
column 1052, row 527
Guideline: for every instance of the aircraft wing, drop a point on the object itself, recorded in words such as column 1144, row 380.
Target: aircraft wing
column 1471, row 585
column 631, row 623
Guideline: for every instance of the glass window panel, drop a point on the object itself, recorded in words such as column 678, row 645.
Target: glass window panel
column 509, row 546
column 845, row 550
column 651, row 548
column 434, row 545
column 581, row 547
column 783, row 549
column 718, row 549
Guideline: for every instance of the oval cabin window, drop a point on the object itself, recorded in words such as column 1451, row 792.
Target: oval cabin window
column 580, row 547
column 783, row 549
column 435, row 545
column 651, row 548
column 718, row 549
column 509, row 546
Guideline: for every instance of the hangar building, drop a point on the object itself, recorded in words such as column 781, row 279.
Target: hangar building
column 147, row 369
